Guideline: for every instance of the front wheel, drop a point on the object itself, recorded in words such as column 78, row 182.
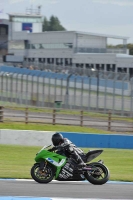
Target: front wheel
column 42, row 176
column 98, row 175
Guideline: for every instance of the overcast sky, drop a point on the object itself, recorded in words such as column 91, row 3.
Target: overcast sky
column 113, row 17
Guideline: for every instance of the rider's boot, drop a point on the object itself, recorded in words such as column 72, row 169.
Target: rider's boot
column 81, row 162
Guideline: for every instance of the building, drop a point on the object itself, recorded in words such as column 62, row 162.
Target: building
column 27, row 42
column 4, row 24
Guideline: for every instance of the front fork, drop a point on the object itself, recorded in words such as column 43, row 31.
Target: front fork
column 43, row 165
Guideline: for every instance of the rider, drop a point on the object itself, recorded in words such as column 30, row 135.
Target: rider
column 66, row 147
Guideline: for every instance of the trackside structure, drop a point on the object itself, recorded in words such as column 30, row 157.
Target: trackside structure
column 22, row 33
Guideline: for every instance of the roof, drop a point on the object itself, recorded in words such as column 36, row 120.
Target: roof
column 102, row 35
column 124, row 56
column 88, row 33
column 4, row 21
column 24, row 15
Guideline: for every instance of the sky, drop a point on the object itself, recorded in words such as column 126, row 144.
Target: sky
column 113, row 17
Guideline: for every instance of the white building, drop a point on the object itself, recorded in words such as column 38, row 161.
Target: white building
column 26, row 41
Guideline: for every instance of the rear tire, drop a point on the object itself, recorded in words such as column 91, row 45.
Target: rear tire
column 42, row 176
column 99, row 175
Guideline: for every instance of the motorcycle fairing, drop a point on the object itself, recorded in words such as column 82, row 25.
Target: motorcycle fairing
column 54, row 159
column 57, row 164
column 92, row 154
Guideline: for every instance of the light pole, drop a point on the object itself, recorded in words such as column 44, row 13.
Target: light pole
column 90, row 74
column 98, row 86
column 67, row 88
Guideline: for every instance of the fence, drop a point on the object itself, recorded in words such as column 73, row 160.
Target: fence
column 81, row 71
column 44, row 89
column 27, row 115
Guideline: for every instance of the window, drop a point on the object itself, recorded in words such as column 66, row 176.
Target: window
column 42, row 46
column 16, row 45
column 27, row 46
column 2, row 31
column 27, row 19
column 69, row 45
column 52, row 46
column 37, row 46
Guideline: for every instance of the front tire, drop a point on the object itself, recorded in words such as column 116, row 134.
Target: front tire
column 99, row 174
column 42, row 176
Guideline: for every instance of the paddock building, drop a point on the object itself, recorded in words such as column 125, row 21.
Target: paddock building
column 22, row 40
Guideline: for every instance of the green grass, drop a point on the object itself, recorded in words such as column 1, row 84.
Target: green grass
column 48, row 127
column 16, row 162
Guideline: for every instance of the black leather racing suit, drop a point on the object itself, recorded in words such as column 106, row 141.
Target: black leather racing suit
column 68, row 149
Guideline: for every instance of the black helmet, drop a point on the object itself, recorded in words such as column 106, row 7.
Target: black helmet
column 57, row 138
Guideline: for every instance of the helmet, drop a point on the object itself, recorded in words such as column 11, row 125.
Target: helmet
column 57, row 138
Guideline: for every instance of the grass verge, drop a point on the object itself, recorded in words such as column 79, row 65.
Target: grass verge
column 16, row 162
column 48, row 127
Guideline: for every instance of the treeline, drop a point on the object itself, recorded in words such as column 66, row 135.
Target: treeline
column 53, row 24
column 119, row 46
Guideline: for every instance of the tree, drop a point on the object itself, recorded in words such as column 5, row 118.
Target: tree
column 131, row 51
column 120, row 46
column 52, row 25
column 45, row 26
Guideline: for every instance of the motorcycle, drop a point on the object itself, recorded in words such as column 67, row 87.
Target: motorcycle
column 51, row 165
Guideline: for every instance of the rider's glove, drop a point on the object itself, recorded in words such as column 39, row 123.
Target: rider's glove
column 53, row 149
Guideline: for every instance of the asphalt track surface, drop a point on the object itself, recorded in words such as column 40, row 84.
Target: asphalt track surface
column 80, row 190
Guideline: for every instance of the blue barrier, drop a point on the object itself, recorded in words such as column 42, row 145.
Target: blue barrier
column 100, row 140
column 79, row 79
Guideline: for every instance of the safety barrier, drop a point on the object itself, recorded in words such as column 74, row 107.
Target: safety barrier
column 101, row 140
column 79, row 79
column 41, row 138
column 42, row 88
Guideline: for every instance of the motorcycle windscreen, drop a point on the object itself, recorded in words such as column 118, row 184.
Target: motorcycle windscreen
column 93, row 154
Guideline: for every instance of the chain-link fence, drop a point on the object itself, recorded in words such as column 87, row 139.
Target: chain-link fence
column 96, row 90
column 81, row 71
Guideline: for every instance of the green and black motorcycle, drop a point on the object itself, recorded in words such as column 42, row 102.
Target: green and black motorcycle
column 52, row 166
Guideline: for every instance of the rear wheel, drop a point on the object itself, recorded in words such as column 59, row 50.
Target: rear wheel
column 98, row 175
column 42, row 176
